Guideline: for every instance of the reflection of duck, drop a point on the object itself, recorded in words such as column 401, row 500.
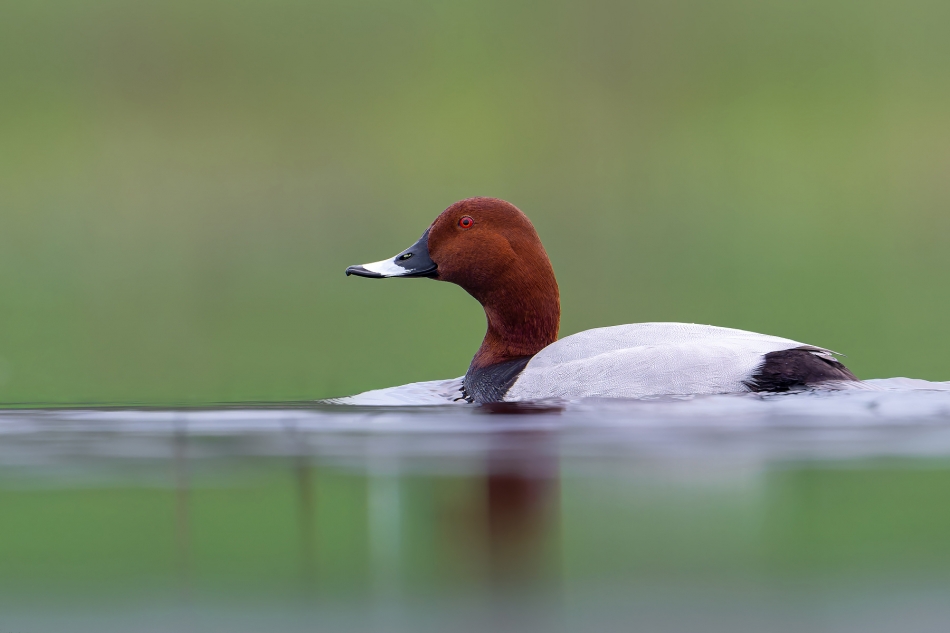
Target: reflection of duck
column 521, row 509
column 507, row 528
column 490, row 248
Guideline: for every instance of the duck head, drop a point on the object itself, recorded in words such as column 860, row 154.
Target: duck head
column 489, row 248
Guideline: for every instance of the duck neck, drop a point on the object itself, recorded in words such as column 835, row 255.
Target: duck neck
column 523, row 318
column 522, row 321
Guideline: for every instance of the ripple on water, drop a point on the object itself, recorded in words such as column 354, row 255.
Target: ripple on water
column 894, row 417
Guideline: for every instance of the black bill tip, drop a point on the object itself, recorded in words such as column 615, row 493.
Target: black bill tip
column 359, row 271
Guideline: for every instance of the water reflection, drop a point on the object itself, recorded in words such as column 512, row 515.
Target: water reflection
column 303, row 476
column 520, row 487
column 182, row 510
column 724, row 512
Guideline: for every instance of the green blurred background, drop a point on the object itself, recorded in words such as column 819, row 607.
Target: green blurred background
column 183, row 183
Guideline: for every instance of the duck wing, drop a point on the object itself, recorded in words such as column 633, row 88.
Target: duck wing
column 650, row 359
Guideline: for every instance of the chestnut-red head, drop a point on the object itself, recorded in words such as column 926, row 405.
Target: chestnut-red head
column 490, row 248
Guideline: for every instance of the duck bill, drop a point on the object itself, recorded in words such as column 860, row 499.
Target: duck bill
column 412, row 262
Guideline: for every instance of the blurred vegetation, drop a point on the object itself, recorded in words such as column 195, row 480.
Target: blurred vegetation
column 183, row 183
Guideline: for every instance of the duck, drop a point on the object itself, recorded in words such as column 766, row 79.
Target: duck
column 492, row 250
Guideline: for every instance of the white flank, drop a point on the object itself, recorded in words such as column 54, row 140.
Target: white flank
column 646, row 359
column 413, row 394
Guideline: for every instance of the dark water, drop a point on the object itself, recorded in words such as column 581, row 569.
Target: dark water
column 805, row 512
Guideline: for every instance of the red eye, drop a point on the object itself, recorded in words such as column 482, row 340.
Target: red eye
column 466, row 222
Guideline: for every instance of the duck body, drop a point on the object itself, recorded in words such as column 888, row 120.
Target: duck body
column 649, row 359
column 489, row 247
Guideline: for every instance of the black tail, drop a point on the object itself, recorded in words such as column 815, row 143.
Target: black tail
column 798, row 368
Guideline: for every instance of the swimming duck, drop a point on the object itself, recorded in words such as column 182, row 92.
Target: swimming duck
column 490, row 248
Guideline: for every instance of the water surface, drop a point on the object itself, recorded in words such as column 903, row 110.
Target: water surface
column 826, row 512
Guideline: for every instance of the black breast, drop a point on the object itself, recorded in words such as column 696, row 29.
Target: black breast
column 490, row 384
column 797, row 368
